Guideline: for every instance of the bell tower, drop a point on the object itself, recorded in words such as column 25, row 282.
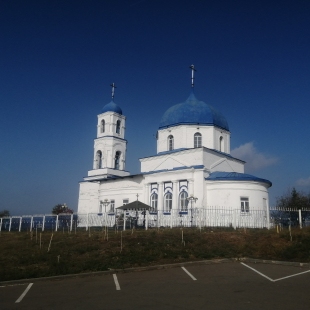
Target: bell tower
column 110, row 144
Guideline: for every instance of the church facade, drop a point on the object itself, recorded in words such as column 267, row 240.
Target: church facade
column 193, row 168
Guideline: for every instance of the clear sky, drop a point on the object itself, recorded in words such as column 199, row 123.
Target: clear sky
column 59, row 57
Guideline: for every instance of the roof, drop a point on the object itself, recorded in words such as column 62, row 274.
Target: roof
column 112, row 107
column 174, row 169
column 192, row 149
column 193, row 112
column 235, row 176
column 135, row 205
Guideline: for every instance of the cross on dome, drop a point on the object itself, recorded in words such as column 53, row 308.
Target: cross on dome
column 192, row 67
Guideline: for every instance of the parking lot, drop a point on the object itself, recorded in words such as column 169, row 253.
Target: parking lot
column 229, row 285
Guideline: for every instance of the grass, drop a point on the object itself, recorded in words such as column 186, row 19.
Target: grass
column 22, row 257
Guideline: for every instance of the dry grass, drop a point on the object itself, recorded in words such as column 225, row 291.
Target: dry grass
column 21, row 255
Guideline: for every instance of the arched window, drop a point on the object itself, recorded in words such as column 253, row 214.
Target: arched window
column 117, row 159
column 168, row 202
column 221, row 144
column 102, row 126
column 118, row 126
column 170, row 143
column 197, row 139
column 183, row 201
column 98, row 160
column 154, row 202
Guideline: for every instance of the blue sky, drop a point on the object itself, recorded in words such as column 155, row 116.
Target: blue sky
column 58, row 58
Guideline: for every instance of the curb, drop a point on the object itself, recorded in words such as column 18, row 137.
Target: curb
column 111, row 271
column 155, row 267
column 275, row 262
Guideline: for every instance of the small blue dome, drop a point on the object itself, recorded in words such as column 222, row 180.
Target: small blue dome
column 112, row 107
column 193, row 111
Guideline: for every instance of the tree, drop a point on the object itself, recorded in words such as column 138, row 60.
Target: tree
column 293, row 200
column 287, row 207
column 61, row 208
column 4, row 213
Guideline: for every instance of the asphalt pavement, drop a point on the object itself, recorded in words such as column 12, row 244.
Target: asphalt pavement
column 217, row 285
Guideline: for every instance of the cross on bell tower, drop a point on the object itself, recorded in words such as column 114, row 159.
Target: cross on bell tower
column 113, row 90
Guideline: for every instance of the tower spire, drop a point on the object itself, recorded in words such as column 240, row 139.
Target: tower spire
column 113, row 90
column 192, row 67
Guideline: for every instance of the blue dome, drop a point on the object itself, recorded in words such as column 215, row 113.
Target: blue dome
column 193, row 111
column 112, row 107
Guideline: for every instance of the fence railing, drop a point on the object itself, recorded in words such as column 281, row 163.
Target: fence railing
column 290, row 217
column 196, row 217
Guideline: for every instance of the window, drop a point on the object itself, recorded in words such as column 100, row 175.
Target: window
column 102, row 126
column 168, row 202
column 118, row 126
column 221, row 144
column 117, row 159
column 183, row 201
column 154, row 201
column 170, row 143
column 244, row 204
column 112, row 206
column 197, row 139
column 125, row 201
column 98, row 160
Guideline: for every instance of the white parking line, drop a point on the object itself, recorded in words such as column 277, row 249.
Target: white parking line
column 118, row 288
column 189, row 273
column 10, row 285
column 257, row 272
column 293, row 275
column 24, row 293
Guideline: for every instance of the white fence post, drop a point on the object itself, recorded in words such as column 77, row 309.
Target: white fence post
column 43, row 222
column 10, row 224
column 56, row 223
column 124, row 224
column 20, row 224
column 71, row 223
column 31, row 222
column 300, row 219
column 146, row 219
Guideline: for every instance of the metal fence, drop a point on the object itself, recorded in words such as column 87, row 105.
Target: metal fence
column 196, row 217
column 290, row 217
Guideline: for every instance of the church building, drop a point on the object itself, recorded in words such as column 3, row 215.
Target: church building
column 192, row 168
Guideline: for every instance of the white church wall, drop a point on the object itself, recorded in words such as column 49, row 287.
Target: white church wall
column 191, row 180
column 224, row 145
column 227, row 194
column 219, row 162
column 122, row 189
column 172, row 160
column 88, row 197
column 91, row 193
column 199, row 190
